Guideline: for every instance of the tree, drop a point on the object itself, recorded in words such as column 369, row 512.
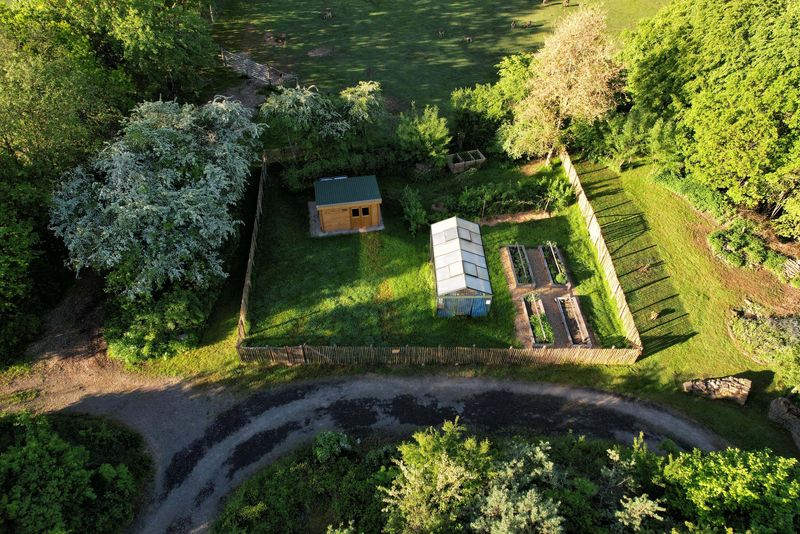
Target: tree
column 48, row 485
column 728, row 79
column 159, row 198
column 159, row 45
column 424, row 136
column 440, row 477
column 413, row 211
column 574, row 77
column 742, row 490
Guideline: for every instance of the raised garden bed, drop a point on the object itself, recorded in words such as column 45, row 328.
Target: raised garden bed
column 521, row 266
column 573, row 320
column 556, row 267
column 541, row 328
column 462, row 161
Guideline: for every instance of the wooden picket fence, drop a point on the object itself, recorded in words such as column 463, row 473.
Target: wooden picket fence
column 596, row 235
column 411, row 356
column 263, row 73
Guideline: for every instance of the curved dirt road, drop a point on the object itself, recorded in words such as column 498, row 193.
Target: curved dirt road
column 201, row 455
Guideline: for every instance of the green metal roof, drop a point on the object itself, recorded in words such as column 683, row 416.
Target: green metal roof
column 346, row 190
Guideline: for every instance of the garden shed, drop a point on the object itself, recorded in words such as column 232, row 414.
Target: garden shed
column 462, row 275
column 347, row 203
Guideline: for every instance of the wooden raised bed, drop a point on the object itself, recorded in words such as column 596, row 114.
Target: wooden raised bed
column 556, row 267
column 520, row 266
column 573, row 321
column 462, row 161
column 541, row 329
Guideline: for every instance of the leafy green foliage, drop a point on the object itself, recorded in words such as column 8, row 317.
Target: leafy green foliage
column 330, row 445
column 328, row 134
column 726, row 80
column 414, row 212
column 299, row 494
column 423, row 136
column 448, row 481
column 164, row 195
column 740, row 246
column 773, row 338
column 68, row 475
column 741, row 490
column 440, row 478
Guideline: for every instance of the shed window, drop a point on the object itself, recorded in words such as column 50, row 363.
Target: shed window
column 365, row 212
column 354, row 212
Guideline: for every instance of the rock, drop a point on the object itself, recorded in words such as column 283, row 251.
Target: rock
column 787, row 414
column 728, row 387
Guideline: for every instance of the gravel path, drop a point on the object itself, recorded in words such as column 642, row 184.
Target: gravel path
column 204, row 445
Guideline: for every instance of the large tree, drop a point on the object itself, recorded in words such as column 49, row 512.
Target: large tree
column 155, row 207
column 572, row 77
column 728, row 79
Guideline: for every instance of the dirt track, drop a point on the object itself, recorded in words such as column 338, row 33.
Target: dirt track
column 206, row 442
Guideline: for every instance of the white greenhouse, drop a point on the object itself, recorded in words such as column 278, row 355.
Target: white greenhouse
column 462, row 275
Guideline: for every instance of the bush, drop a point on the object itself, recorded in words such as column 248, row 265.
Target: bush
column 700, row 195
column 773, row 338
column 424, row 137
column 745, row 491
column 329, row 445
column 162, row 326
column 448, row 481
column 739, row 245
column 413, row 211
column 440, row 479
column 51, row 484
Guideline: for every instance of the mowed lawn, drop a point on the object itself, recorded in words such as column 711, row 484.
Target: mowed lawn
column 693, row 292
column 398, row 43
column 378, row 288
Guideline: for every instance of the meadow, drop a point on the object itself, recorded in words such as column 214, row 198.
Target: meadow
column 399, row 43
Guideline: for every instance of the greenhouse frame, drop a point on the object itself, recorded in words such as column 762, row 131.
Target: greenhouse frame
column 462, row 279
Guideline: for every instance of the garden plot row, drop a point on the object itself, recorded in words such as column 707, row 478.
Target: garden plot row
column 548, row 284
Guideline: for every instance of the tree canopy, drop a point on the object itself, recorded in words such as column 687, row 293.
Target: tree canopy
column 155, row 207
column 728, row 79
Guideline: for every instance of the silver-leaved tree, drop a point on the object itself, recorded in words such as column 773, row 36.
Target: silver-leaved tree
column 154, row 212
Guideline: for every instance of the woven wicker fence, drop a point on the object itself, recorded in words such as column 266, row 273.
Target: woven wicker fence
column 408, row 355
column 596, row 235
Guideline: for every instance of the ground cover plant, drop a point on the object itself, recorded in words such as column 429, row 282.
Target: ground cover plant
column 69, row 474
column 398, row 45
column 446, row 480
column 540, row 324
column 383, row 281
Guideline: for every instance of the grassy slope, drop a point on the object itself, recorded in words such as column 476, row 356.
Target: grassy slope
column 397, row 43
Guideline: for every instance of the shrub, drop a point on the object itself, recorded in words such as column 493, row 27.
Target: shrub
column 160, row 326
column 413, row 211
column 424, row 136
column 51, row 485
column 751, row 491
column 700, row 195
column 774, row 338
column 329, row 445
column 440, row 479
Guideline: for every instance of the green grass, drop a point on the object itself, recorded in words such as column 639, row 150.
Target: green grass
column 397, row 43
column 316, row 290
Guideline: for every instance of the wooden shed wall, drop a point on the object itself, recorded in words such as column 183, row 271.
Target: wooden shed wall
column 333, row 218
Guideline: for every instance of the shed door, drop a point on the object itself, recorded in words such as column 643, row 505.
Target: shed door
column 360, row 217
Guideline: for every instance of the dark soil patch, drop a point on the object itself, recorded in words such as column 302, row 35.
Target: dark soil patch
column 409, row 411
column 226, row 423
column 253, row 449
